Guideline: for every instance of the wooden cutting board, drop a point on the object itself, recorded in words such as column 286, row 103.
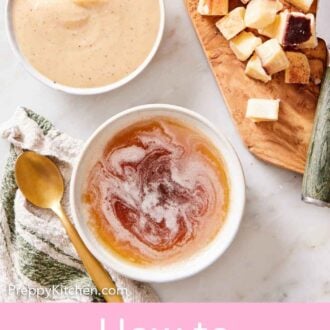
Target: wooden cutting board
column 283, row 143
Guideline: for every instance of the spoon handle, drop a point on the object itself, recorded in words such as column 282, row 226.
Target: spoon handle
column 96, row 271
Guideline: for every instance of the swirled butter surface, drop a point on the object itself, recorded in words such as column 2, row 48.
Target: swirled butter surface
column 159, row 193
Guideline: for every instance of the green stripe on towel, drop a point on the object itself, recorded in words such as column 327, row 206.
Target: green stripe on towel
column 36, row 265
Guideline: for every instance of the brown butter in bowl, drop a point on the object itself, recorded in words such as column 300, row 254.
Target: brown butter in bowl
column 159, row 194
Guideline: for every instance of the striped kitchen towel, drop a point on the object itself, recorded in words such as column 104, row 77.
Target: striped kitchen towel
column 37, row 261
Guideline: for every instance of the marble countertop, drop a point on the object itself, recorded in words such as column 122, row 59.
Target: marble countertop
column 282, row 250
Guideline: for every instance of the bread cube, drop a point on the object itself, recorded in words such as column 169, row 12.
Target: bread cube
column 317, row 71
column 299, row 70
column 232, row 24
column 312, row 42
column 297, row 30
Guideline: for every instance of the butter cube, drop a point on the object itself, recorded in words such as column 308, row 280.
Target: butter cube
column 262, row 110
column 271, row 31
column 261, row 13
column 272, row 56
column 255, row 70
column 244, row 45
column 213, row 7
column 232, row 24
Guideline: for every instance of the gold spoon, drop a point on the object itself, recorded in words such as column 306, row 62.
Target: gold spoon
column 41, row 182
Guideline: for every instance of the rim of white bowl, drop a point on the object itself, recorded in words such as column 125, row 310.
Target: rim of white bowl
column 76, row 90
column 159, row 274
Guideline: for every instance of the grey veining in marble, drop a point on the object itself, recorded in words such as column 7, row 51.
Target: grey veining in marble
column 282, row 251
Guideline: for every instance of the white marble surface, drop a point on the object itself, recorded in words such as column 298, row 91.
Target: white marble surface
column 282, row 251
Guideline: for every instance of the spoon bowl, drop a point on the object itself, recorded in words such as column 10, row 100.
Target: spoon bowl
column 41, row 182
column 39, row 179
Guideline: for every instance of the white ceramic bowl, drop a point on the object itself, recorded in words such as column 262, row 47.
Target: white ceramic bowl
column 81, row 91
column 201, row 259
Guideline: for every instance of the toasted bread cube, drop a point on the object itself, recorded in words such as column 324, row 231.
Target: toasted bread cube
column 261, row 13
column 232, row 24
column 262, row 110
column 272, row 56
column 255, row 70
column 305, row 5
column 244, row 45
column 271, row 31
column 213, row 7
column 317, row 53
column 317, row 71
column 299, row 70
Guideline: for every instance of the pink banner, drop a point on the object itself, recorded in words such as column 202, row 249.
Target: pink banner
column 165, row 317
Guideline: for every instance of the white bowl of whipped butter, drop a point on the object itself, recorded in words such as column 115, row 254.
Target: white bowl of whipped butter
column 85, row 47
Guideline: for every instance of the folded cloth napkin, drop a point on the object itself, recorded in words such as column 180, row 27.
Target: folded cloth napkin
column 37, row 261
